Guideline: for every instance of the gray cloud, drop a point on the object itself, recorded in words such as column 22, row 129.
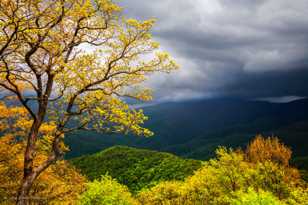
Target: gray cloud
column 253, row 49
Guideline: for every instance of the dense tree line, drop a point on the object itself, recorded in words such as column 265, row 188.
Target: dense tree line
column 261, row 174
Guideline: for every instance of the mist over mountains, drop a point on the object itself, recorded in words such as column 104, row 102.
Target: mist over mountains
column 194, row 129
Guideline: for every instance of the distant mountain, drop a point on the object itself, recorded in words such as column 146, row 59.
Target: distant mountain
column 194, row 129
column 136, row 168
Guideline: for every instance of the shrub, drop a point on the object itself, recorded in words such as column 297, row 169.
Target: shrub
column 268, row 149
column 107, row 191
column 164, row 193
column 251, row 197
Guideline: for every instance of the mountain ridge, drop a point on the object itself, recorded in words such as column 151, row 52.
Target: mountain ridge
column 194, row 129
column 136, row 168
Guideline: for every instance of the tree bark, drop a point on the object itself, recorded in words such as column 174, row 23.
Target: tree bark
column 31, row 172
column 23, row 197
column 29, row 175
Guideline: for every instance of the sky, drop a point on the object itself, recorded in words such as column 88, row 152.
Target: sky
column 254, row 49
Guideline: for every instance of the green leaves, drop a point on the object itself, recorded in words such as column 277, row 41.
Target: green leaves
column 251, row 197
column 106, row 191
column 136, row 168
column 232, row 179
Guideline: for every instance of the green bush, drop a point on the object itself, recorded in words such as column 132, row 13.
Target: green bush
column 251, row 197
column 107, row 191
column 164, row 193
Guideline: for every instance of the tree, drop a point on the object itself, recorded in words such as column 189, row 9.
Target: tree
column 107, row 191
column 268, row 149
column 169, row 192
column 72, row 62
column 51, row 186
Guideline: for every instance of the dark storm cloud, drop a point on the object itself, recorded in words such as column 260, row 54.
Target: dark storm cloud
column 246, row 48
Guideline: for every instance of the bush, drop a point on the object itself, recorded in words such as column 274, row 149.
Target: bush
column 162, row 194
column 107, row 191
column 255, row 198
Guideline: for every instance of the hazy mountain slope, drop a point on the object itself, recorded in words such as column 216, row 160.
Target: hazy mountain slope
column 195, row 128
column 136, row 168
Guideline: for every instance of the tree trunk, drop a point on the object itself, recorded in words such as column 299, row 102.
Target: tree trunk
column 31, row 172
column 24, row 197
column 28, row 173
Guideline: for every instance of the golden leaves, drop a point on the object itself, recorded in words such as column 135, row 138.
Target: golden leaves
column 231, row 177
column 59, row 184
column 87, row 49
column 119, row 117
column 265, row 149
column 108, row 6
column 79, row 60
column 140, row 25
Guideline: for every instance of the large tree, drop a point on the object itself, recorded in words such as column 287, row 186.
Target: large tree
column 73, row 63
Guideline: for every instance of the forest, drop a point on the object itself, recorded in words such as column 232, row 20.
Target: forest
column 259, row 174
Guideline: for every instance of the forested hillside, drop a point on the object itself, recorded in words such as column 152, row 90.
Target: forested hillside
column 194, row 129
column 136, row 168
column 260, row 174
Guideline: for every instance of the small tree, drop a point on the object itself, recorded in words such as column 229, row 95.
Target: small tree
column 268, row 149
column 71, row 62
column 107, row 191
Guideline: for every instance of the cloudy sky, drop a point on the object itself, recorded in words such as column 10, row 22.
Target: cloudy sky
column 243, row 48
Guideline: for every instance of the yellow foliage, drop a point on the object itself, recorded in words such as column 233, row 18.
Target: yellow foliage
column 268, row 149
column 107, row 191
column 78, row 61
column 165, row 193
column 59, row 184
column 15, row 121
column 232, row 179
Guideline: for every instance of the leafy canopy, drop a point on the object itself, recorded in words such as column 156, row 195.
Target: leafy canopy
column 70, row 64
column 80, row 59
